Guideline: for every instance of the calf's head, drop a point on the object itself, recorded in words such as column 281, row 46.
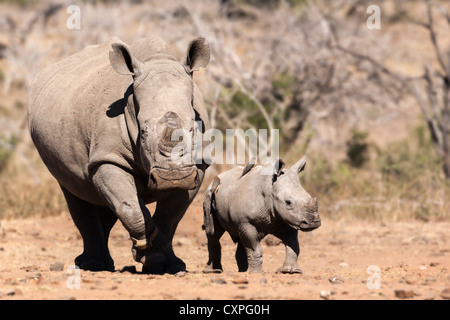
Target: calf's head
column 164, row 103
column 290, row 201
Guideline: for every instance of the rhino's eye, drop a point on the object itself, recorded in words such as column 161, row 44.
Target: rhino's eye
column 288, row 203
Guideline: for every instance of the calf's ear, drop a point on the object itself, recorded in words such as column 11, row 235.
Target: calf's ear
column 198, row 54
column 278, row 166
column 299, row 166
column 123, row 62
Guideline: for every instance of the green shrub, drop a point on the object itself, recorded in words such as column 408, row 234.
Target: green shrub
column 358, row 148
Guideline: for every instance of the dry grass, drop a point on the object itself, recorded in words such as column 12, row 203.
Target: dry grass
column 401, row 180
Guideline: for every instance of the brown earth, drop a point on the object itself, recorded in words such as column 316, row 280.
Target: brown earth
column 413, row 260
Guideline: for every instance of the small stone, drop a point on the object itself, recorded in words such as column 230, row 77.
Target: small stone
column 445, row 294
column 410, row 281
column 404, row 294
column 325, row 294
column 240, row 280
column 218, row 280
column 180, row 274
column 57, row 266
column 13, row 292
column 422, row 268
column 337, row 279
column 434, row 264
column 32, row 233
column 343, row 265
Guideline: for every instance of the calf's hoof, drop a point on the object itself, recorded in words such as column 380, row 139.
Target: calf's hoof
column 255, row 270
column 209, row 268
column 291, row 270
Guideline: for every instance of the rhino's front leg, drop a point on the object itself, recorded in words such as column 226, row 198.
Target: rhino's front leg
column 250, row 241
column 290, row 240
column 168, row 214
column 118, row 189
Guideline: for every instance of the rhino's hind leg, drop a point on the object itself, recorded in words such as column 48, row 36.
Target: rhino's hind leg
column 241, row 257
column 108, row 219
column 214, row 264
column 94, row 224
column 213, row 229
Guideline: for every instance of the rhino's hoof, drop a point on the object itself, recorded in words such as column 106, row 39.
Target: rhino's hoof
column 157, row 263
column 291, row 270
column 209, row 270
column 156, row 268
column 213, row 268
column 94, row 264
column 255, row 270
column 180, row 274
column 175, row 265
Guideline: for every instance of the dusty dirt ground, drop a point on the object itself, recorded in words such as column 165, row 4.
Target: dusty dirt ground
column 413, row 260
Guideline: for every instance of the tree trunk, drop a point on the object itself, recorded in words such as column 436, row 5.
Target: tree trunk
column 447, row 164
column 446, row 127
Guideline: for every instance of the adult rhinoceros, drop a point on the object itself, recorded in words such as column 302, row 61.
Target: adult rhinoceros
column 103, row 128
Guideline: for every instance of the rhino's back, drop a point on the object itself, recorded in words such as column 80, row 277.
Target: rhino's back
column 67, row 102
column 237, row 198
column 61, row 82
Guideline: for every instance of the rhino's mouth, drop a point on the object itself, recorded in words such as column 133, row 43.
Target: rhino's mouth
column 309, row 226
column 167, row 179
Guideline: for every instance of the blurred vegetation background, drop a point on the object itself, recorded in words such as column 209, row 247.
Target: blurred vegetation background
column 369, row 107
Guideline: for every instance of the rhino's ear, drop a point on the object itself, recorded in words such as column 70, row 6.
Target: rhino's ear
column 299, row 166
column 278, row 166
column 123, row 62
column 197, row 54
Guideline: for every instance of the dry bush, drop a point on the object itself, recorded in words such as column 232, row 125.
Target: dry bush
column 309, row 68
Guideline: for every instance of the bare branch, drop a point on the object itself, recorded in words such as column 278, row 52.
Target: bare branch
column 433, row 37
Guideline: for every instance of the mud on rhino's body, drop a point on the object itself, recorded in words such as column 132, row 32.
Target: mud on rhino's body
column 102, row 125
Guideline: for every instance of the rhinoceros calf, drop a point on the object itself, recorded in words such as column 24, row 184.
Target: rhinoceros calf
column 102, row 121
column 250, row 205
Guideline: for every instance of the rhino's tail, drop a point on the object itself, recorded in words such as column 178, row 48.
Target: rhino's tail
column 209, row 206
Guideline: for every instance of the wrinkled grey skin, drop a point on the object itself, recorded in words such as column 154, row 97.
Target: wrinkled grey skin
column 102, row 120
column 249, row 205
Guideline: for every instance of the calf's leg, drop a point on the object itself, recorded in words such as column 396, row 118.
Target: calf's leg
column 214, row 264
column 289, row 236
column 250, row 241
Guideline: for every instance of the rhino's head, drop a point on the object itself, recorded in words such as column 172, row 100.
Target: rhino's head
column 291, row 202
column 164, row 103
